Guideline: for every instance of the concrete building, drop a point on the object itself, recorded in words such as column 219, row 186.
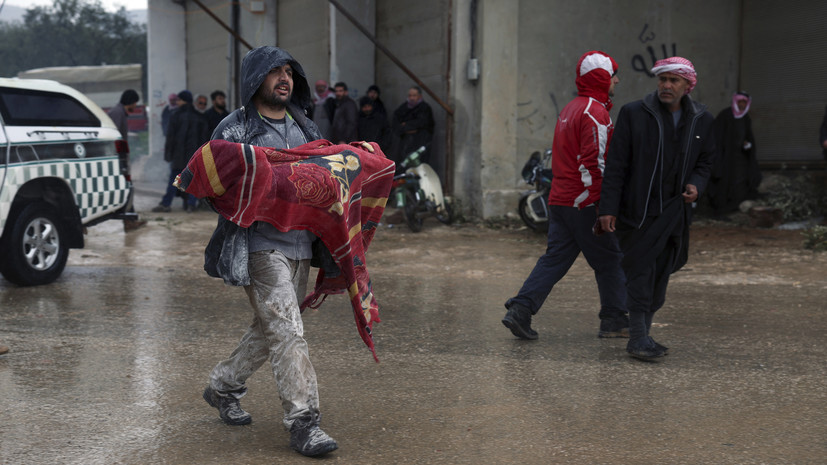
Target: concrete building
column 504, row 69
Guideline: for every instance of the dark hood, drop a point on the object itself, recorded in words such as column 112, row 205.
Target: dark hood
column 257, row 64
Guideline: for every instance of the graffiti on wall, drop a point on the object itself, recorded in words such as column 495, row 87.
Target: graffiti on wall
column 639, row 61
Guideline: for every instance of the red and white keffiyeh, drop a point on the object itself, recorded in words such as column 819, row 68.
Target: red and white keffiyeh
column 680, row 66
column 736, row 110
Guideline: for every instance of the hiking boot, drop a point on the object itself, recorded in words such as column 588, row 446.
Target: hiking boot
column 518, row 320
column 229, row 409
column 661, row 347
column 161, row 208
column 645, row 349
column 613, row 328
column 308, row 439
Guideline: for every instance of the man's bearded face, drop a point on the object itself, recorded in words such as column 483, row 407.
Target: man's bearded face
column 277, row 87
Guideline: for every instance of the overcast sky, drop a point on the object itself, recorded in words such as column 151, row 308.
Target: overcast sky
column 109, row 5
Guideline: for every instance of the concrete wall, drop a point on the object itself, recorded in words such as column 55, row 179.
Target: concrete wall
column 304, row 31
column 418, row 34
column 352, row 53
column 210, row 49
column 327, row 45
column 782, row 69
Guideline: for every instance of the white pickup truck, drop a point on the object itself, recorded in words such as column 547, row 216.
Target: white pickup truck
column 63, row 166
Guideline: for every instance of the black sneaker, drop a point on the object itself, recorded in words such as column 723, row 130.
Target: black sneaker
column 614, row 328
column 308, row 439
column 229, row 409
column 645, row 349
column 518, row 320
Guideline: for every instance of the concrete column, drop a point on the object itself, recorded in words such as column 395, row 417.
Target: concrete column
column 166, row 73
column 497, row 32
column 465, row 98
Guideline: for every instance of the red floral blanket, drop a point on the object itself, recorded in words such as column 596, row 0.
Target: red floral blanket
column 338, row 192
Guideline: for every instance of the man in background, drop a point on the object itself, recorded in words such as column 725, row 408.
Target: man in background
column 581, row 136
column 218, row 110
column 660, row 159
column 324, row 107
column 167, row 113
column 413, row 126
column 188, row 131
column 120, row 116
column 201, row 103
column 345, row 120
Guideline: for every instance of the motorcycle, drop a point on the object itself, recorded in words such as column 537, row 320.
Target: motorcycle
column 533, row 206
column 418, row 192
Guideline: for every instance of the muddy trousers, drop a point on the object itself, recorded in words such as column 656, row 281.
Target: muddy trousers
column 276, row 285
column 569, row 233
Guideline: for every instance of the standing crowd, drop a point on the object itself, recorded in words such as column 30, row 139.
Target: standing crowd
column 342, row 119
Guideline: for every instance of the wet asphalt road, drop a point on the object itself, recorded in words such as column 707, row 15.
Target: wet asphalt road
column 107, row 364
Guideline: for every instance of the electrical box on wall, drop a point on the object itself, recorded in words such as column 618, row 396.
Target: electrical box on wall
column 473, row 69
column 256, row 6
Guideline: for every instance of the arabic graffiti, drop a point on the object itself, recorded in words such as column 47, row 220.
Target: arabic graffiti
column 643, row 37
column 639, row 61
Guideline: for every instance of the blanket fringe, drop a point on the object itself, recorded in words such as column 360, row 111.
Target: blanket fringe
column 313, row 301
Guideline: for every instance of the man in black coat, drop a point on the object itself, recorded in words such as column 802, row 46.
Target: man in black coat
column 188, row 131
column 413, row 126
column 218, row 110
column 660, row 159
column 344, row 125
column 373, row 127
column 735, row 173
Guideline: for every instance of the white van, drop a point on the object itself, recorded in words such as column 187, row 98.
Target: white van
column 63, row 166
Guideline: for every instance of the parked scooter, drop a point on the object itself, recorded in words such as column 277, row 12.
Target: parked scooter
column 418, row 192
column 533, row 205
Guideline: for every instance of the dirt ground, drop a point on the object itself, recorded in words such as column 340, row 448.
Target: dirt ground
column 117, row 352
column 720, row 251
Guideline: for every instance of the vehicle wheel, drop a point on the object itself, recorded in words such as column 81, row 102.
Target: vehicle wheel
column 33, row 251
column 412, row 212
column 447, row 214
column 526, row 216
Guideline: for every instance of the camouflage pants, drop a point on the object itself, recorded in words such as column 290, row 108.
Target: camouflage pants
column 276, row 285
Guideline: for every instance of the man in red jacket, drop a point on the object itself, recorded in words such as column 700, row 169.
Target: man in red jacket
column 581, row 137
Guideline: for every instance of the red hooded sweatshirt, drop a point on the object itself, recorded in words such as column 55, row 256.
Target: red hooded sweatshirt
column 582, row 135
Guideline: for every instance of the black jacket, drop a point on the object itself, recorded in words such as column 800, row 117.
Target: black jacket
column 373, row 128
column 419, row 119
column 636, row 148
column 214, row 117
column 188, row 131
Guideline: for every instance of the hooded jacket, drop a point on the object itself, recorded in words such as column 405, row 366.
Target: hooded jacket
column 582, row 134
column 227, row 251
